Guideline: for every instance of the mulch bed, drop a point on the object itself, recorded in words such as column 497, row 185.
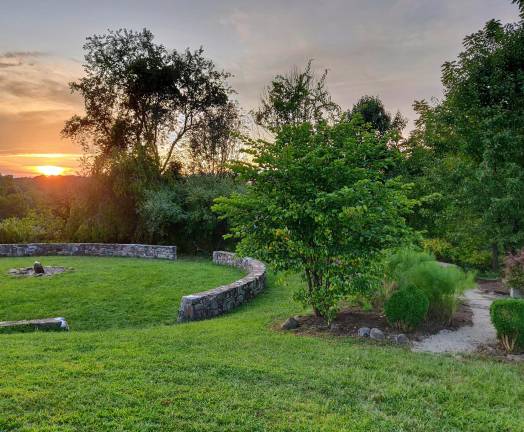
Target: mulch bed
column 348, row 322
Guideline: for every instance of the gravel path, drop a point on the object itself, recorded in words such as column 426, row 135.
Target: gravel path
column 468, row 338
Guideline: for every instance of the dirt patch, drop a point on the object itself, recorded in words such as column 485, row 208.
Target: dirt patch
column 348, row 322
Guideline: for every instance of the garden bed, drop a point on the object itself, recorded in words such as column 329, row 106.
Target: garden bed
column 350, row 320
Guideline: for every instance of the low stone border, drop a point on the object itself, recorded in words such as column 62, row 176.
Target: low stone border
column 220, row 300
column 88, row 249
column 57, row 324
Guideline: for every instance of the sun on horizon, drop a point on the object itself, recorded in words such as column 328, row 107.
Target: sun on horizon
column 50, row 170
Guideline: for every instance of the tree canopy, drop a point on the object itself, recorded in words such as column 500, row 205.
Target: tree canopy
column 294, row 98
column 318, row 201
column 141, row 99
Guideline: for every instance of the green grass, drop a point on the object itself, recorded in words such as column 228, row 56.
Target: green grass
column 235, row 373
column 102, row 293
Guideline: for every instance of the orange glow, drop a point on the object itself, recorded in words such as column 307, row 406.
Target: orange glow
column 50, row 170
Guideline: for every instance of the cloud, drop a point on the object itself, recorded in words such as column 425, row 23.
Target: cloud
column 18, row 58
column 36, row 101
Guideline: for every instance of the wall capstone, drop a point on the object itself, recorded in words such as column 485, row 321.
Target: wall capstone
column 88, row 249
column 220, row 300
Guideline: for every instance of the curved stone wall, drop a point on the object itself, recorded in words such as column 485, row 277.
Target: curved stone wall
column 89, row 249
column 220, row 300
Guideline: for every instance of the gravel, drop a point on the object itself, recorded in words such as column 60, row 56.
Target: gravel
column 468, row 338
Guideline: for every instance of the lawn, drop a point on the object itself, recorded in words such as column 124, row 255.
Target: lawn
column 101, row 293
column 235, row 373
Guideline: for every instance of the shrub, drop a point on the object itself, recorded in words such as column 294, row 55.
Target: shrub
column 409, row 269
column 442, row 286
column 35, row 227
column 407, row 308
column 508, row 318
column 398, row 263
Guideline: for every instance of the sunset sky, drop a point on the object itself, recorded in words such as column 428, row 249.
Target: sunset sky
column 390, row 48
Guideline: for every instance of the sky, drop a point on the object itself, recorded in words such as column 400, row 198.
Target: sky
column 393, row 49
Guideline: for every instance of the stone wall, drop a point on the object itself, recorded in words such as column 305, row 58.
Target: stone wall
column 88, row 249
column 220, row 300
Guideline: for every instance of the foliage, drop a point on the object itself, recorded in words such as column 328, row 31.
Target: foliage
column 399, row 262
column 13, row 203
column 407, row 269
column 142, row 100
column 318, row 202
column 514, row 270
column 508, row 318
column 295, row 98
column 477, row 131
column 442, row 285
column 214, row 142
column 180, row 212
column 105, row 209
column 372, row 110
column 34, row 227
column 407, row 308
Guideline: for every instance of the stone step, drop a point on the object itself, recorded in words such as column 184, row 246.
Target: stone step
column 45, row 324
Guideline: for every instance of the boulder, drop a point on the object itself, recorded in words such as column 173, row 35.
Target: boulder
column 364, row 331
column 38, row 268
column 401, row 339
column 290, row 324
column 335, row 327
column 376, row 334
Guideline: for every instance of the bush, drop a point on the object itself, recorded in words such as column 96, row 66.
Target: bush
column 409, row 269
column 35, row 227
column 442, row 286
column 508, row 318
column 398, row 264
column 407, row 308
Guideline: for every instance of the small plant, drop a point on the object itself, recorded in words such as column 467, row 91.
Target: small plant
column 407, row 308
column 514, row 273
column 508, row 318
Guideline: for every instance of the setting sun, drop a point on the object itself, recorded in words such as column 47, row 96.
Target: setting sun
column 50, row 170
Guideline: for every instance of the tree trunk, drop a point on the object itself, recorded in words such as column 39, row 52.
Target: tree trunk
column 494, row 257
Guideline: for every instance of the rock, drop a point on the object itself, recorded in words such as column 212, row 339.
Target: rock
column 376, row 334
column 517, row 293
column 38, row 268
column 290, row 324
column 334, row 326
column 401, row 339
column 515, row 357
column 56, row 324
column 363, row 332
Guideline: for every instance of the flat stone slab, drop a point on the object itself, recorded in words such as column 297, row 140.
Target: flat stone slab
column 45, row 324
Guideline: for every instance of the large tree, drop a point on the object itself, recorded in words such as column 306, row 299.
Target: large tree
column 372, row 110
column 142, row 100
column 318, row 201
column 478, row 129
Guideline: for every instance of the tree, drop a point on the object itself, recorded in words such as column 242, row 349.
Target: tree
column 373, row 112
column 141, row 99
column 480, row 123
column 295, row 98
column 318, row 202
